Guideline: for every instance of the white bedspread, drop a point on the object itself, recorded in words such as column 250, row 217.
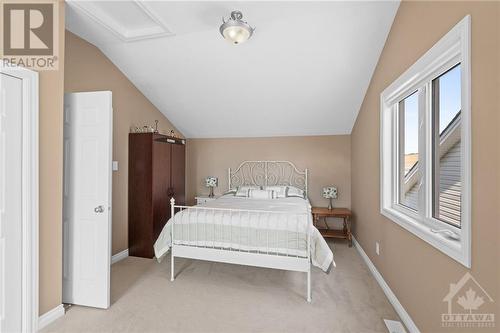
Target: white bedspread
column 283, row 231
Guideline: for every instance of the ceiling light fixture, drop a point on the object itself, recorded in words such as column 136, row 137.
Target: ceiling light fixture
column 235, row 30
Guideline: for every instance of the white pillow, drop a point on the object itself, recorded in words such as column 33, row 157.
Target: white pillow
column 231, row 191
column 279, row 190
column 295, row 192
column 261, row 194
column 243, row 190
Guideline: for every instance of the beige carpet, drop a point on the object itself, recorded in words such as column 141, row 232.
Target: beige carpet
column 213, row 297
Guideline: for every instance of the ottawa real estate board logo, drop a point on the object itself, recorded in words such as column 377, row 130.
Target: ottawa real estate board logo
column 468, row 305
column 29, row 36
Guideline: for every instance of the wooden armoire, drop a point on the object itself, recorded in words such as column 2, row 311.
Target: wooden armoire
column 156, row 173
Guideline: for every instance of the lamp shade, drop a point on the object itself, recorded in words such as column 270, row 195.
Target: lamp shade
column 211, row 181
column 330, row 192
column 236, row 34
column 235, row 30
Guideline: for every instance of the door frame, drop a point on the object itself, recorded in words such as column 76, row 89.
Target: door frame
column 29, row 197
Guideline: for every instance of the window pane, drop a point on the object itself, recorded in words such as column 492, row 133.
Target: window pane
column 409, row 177
column 447, row 161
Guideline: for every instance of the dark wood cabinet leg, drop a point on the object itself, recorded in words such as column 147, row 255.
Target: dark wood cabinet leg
column 349, row 236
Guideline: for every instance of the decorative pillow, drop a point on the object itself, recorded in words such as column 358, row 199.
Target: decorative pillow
column 279, row 190
column 295, row 192
column 243, row 190
column 261, row 194
column 231, row 191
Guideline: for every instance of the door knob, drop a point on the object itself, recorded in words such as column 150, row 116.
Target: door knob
column 99, row 209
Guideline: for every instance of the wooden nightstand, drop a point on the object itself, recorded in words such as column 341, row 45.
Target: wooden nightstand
column 201, row 199
column 343, row 213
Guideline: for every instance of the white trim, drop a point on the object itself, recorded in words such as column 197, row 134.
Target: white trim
column 119, row 256
column 400, row 310
column 50, row 316
column 452, row 49
column 394, row 326
column 155, row 30
column 29, row 194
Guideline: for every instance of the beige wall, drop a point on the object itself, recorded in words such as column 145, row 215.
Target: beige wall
column 419, row 274
column 326, row 157
column 51, row 91
column 88, row 69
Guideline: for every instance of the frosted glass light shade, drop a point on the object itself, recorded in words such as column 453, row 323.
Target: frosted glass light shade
column 235, row 30
column 236, row 34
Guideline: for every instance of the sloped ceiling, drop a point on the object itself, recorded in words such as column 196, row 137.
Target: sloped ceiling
column 304, row 72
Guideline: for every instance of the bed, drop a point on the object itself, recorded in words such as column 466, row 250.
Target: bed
column 264, row 232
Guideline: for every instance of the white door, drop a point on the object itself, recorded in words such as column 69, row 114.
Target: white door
column 10, row 203
column 87, row 198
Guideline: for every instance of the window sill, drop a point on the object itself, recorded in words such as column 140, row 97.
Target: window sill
column 456, row 249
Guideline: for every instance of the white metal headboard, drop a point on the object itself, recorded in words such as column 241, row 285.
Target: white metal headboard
column 268, row 173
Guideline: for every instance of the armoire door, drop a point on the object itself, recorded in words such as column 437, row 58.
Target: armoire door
column 178, row 173
column 161, row 186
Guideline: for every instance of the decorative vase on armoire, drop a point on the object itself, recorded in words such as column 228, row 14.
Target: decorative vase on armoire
column 156, row 173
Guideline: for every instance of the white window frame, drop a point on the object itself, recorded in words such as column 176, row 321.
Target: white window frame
column 453, row 48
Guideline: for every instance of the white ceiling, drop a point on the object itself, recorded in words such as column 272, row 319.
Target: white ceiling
column 305, row 71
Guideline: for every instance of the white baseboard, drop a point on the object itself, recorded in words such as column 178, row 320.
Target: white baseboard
column 50, row 316
column 394, row 326
column 405, row 317
column 119, row 256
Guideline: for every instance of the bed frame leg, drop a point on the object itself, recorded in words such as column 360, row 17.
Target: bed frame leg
column 172, row 272
column 309, row 285
column 172, row 214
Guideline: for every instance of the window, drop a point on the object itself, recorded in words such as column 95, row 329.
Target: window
column 425, row 146
column 409, row 177
column 446, row 155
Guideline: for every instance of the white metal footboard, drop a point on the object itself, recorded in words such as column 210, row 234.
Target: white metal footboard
column 267, row 253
